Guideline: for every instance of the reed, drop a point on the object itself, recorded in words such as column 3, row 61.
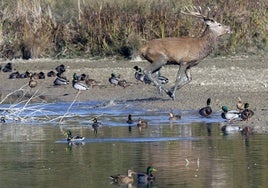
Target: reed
column 85, row 28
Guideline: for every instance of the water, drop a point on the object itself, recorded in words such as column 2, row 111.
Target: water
column 191, row 152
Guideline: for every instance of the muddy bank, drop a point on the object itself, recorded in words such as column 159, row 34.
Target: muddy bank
column 223, row 79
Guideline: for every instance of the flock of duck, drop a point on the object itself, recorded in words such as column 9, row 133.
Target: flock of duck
column 243, row 113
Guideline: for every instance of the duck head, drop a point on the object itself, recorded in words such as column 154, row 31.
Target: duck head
column 150, row 169
column 68, row 133
column 224, row 108
column 246, row 106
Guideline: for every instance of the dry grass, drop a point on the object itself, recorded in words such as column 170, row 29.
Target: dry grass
column 75, row 28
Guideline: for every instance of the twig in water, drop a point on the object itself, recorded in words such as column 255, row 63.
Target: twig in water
column 69, row 107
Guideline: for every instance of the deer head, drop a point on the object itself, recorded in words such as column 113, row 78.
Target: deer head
column 217, row 28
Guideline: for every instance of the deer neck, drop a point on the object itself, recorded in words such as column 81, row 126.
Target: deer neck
column 208, row 40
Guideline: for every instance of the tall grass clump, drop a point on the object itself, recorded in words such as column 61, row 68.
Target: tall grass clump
column 83, row 28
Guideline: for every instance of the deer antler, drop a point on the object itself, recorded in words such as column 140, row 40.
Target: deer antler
column 196, row 12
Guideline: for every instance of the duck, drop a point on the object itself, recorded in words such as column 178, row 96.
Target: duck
column 95, row 125
column 8, row 67
column 140, row 76
column 130, row 120
column 174, row 117
column 142, row 124
column 32, row 83
column 41, row 75
column 123, row 179
column 51, row 74
column 78, row 85
column 161, row 79
column 71, row 138
column 123, row 83
column 91, row 82
column 240, row 105
column 246, row 114
column 114, row 79
column 60, row 81
column 206, row 111
column 144, row 178
column 230, row 115
column 14, row 75
column 3, row 119
column 60, row 69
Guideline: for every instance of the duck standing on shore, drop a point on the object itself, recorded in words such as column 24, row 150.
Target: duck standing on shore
column 77, row 84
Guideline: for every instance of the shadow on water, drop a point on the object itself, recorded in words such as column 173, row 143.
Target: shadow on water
column 191, row 152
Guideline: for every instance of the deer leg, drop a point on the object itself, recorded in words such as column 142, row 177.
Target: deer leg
column 151, row 69
column 183, row 78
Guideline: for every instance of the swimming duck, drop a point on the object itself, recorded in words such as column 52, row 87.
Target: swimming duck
column 206, row 111
column 114, row 79
column 123, row 179
column 2, row 119
column 129, row 122
column 146, row 177
column 240, row 105
column 174, row 117
column 71, row 138
column 246, row 114
column 78, row 85
column 230, row 114
column 95, row 125
column 142, row 124
column 129, row 119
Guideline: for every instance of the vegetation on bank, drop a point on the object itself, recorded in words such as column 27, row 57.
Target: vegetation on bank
column 85, row 28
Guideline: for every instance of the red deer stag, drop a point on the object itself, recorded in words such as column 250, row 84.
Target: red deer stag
column 183, row 51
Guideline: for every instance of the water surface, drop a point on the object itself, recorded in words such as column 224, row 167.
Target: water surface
column 191, row 152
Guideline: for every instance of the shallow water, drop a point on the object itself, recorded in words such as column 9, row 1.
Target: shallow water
column 191, row 152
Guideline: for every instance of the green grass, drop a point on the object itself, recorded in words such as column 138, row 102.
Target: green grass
column 68, row 29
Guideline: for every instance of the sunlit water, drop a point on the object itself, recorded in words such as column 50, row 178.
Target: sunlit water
column 191, row 152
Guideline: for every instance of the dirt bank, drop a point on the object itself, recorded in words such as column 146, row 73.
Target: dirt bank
column 222, row 79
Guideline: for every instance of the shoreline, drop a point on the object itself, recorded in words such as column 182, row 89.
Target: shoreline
column 223, row 79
